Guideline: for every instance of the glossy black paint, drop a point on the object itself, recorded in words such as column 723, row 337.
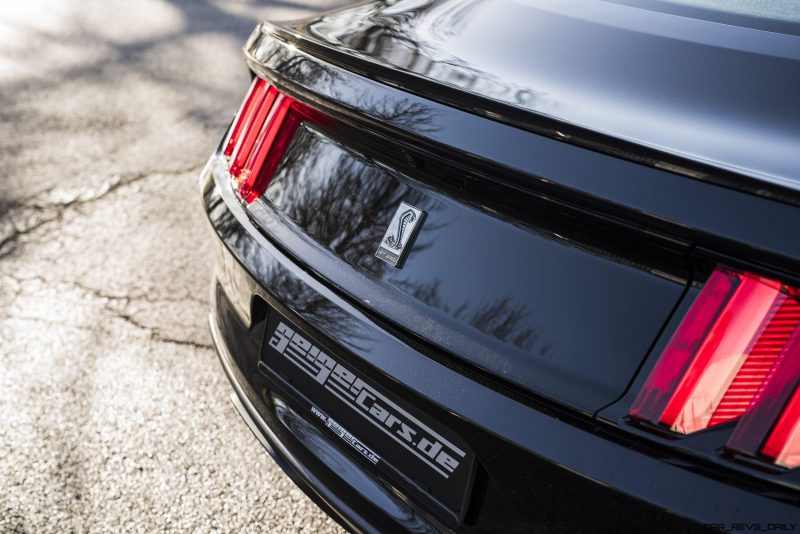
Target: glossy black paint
column 553, row 175
column 529, row 307
column 541, row 468
column 613, row 210
column 687, row 85
column 555, row 261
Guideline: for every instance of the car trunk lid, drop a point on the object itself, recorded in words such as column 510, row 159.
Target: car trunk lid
column 547, row 309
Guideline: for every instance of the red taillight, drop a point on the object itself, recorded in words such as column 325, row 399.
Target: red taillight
column 245, row 115
column 734, row 350
column 770, row 425
column 783, row 444
column 252, row 123
column 260, row 135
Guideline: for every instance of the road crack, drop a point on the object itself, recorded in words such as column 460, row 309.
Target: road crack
column 117, row 306
column 157, row 335
column 21, row 218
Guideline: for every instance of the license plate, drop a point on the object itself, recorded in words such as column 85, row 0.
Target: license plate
column 391, row 434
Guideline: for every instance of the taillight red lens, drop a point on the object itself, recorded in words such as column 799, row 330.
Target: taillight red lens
column 245, row 115
column 779, row 324
column 730, row 353
column 260, row 135
column 770, row 425
column 276, row 124
column 250, row 130
column 783, row 444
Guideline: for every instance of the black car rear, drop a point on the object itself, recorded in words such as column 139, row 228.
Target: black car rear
column 540, row 279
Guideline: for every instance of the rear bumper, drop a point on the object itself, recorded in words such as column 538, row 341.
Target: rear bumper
column 242, row 398
column 538, row 468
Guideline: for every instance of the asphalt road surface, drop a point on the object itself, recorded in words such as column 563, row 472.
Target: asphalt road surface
column 114, row 412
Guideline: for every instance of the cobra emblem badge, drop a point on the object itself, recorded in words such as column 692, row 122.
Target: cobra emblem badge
column 400, row 234
column 396, row 240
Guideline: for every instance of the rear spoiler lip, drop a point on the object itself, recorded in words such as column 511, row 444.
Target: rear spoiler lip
column 718, row 173
column 630, row 192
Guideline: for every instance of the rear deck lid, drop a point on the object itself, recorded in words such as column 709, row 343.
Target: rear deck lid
column 527, row 306
column 720, row 84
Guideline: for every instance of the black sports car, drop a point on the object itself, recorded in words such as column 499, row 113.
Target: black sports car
column 515, row 266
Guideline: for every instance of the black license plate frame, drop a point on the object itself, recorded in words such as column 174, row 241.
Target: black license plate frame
column 412, row 448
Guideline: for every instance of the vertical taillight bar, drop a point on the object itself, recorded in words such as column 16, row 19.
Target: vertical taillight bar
column 250, row 130
column 260, row 135
column 770, row 424
column 783, row 444
column 734, row 357
column 255, row 175
column 670, row 373
column 243, row 117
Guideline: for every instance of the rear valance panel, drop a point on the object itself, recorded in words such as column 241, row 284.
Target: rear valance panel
column 529, row 307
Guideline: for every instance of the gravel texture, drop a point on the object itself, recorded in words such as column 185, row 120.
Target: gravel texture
column 114, row 412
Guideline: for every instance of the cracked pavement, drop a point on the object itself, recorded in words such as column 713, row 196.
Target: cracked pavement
column 114, row 412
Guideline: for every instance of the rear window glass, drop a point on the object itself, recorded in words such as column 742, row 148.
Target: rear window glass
column 785, row 10
column 781, row 16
